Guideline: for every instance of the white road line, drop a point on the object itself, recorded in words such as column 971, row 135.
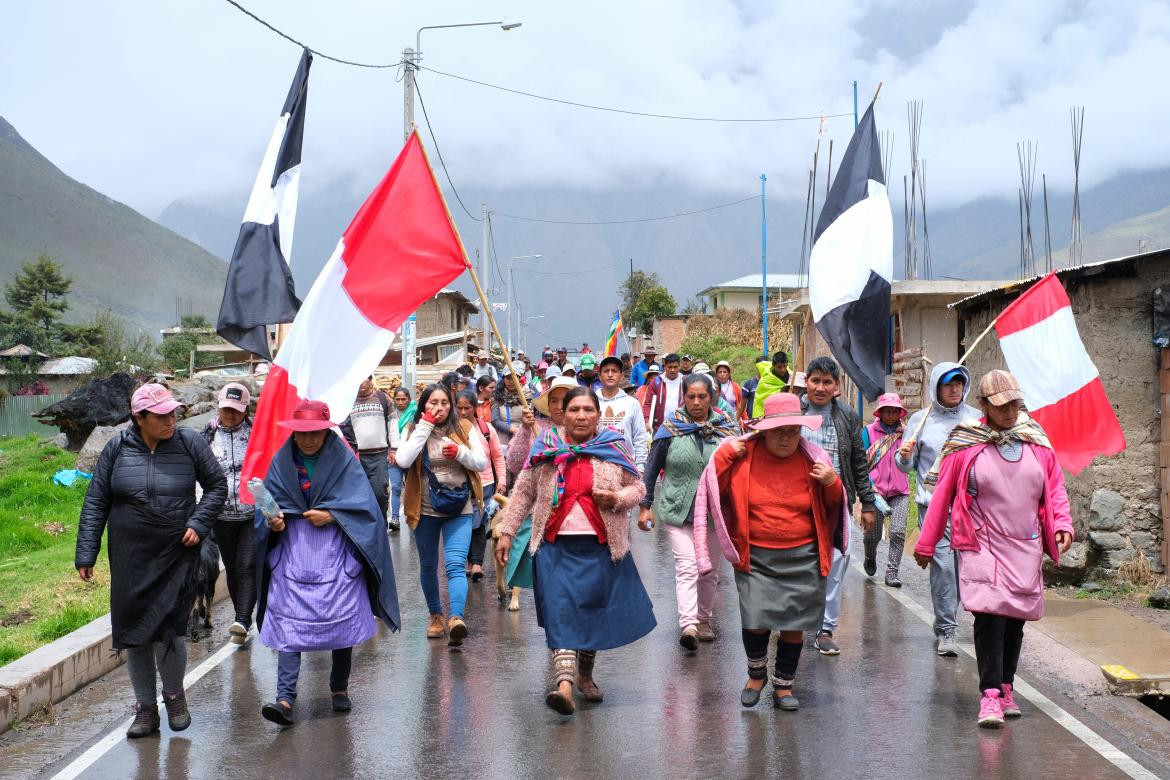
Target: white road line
column 1046, row 705
column 118, row 735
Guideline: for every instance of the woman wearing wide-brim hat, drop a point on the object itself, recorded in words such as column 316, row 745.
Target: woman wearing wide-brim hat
column 1000, row 485
column 779, row 510
column 881, row 439
column 324, row 560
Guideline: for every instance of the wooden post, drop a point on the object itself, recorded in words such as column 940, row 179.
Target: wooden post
column 1164, row 459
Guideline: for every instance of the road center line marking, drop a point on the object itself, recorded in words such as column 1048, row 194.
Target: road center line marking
column 118, row 735
column 1099, row 744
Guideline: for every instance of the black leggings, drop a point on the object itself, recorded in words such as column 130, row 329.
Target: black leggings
column 237, row 546
column 998, row 640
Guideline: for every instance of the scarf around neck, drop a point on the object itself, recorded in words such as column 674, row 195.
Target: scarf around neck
column 878, row 449
column 1026, row 431
column 608, row 445
column 718, row 425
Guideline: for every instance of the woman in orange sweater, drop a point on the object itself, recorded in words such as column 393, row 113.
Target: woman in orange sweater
column 782, row 510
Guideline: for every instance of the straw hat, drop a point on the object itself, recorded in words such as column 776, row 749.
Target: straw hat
column 560, row 383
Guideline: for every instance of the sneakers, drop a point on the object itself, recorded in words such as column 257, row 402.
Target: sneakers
column 1007, row 703
column 870, row 565
column 394, row 525
column 178, row 718
column 706, row 633
column 435, row 627
column 990, row 710
column 456, row 631
column 689, row 639
column 238, row 632
column 825, row 645
column 947, row 646
column 892, row 581
column 146, row 721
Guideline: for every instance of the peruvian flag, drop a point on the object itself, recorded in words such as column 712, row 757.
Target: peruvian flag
column 1061, row 386
column 400, row 249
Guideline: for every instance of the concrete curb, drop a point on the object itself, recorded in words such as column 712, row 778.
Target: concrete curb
column 51, row 673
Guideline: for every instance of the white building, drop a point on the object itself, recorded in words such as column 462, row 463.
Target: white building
column 744, row 292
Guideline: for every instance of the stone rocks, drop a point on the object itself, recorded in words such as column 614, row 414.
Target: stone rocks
column 1092, row 587
column 87, row 458
column 198, row 422
column 60, row 440
column 194, row 410
column 1073, row 565
column 1160, row 599
column 1106, row 510
column 100, row 402
column 1107, row 540
column 1114, row 559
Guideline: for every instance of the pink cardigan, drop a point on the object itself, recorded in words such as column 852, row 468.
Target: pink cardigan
column 533, row 494
column 708, row 509
column 951, row 496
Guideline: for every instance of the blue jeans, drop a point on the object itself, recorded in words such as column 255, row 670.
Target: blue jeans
column 833, row 591
column 397, row 476
column 288, row 670
column 944, row 582
column 456, row 533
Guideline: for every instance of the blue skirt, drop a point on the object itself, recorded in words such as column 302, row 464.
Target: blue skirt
column 585, row 601
column 520, row 560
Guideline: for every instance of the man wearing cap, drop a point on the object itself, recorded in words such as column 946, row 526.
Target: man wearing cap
column 227, row 434
column 638, row 372
column 949, row 385
column 484, row 368
column 587, row 372
column 686, row 365
column 562, row 358
column 620, row 411
column 367, row 429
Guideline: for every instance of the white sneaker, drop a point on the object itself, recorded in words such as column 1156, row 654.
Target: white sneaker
column 947, row 646
column 239, row 634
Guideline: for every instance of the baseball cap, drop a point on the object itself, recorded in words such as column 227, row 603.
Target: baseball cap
column 999, row 387
column 233, row 395
column 653, row 368
column 952, row 375
column 552, row 372
column 614, row 359
column 588, row 362
column 153, row 398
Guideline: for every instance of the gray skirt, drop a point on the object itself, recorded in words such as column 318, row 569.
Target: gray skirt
column 784, row 591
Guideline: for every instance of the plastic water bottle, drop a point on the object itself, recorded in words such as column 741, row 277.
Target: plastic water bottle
column 264, row 499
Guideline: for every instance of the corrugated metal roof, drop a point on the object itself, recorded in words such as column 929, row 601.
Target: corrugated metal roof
column 68, row 366
column 756, row 281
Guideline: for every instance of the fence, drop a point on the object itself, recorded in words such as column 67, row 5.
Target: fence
column 16, row 414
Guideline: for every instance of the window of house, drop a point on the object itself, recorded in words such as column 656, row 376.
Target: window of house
column 447, row 350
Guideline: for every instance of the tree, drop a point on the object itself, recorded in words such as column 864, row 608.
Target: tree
column 117, row 350
column 194, row 321
column 632, row 289
column 652, row 303
column 36, row 296
column 695, row 306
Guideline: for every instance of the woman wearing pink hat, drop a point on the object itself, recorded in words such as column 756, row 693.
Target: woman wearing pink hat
column 779, row 512
column 881, row 439
column 143, row 491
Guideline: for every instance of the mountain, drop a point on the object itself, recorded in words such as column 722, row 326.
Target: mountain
column 118, row 259
column 569, row 294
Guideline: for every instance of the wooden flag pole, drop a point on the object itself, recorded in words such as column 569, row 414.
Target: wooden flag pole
column 483, row 301
column 962, row 360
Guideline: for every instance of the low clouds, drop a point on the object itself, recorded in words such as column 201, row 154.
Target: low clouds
column 150, row 102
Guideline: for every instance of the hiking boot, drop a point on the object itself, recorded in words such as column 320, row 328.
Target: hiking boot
column 1007, row 703
column 178, row 718
column 947, row 646
column 689, row 639
column 146, row 721
column 825, row 645
column 238, row 632
column 435, row 627
column 870, row 565
column 456, row 631
column 990, row 710
column 706, row 633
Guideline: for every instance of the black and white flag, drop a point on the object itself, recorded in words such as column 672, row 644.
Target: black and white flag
column 852, row 263
column 259, row 290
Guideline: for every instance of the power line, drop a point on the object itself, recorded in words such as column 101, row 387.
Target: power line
column 626, row 221
column 629, row 112
column 495, row 255
column 569, row 273
column 438, row 153
column 320, row 54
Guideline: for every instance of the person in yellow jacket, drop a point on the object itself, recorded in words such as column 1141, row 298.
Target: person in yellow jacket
column 773, row 379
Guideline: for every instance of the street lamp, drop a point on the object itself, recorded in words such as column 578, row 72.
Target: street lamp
column 411, row 59
column 526, row 321
column 510, row 287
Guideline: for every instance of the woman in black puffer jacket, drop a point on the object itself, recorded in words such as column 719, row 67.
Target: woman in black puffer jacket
column 143, row 488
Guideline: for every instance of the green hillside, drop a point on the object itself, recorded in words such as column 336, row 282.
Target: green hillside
column 118, row 258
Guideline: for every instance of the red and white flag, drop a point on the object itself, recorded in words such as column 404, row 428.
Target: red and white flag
column 1061, row 386
column 400, row 249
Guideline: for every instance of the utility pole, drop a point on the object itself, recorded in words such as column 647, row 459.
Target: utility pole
column 483, row 274
column 764, row 256
column 409, row 63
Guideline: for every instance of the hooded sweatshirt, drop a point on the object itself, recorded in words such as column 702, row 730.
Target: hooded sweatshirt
column 623, row 413
column 769, row 385
column 938, row 427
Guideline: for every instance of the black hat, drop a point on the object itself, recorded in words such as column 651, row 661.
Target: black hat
column 614, row 359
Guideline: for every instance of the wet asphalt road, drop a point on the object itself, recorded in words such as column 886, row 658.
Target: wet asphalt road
column 886, row 707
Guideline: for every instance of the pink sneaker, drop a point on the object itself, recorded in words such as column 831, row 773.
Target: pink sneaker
column 1008, row 703
column 990, row 712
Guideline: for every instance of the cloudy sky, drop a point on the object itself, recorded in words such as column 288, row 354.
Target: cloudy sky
column 150, row 101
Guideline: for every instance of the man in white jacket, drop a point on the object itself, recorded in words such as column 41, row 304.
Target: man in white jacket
column 622, row 412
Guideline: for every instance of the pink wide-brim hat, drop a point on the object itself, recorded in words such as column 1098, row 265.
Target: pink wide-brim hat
column 308, row 416
column 153, row 398
column 783, row 409
column 889, row 401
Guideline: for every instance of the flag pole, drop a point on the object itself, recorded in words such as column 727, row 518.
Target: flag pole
column 962, row 360
column 483, row 301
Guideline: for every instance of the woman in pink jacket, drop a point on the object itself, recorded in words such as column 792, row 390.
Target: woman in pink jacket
column 1003, row 489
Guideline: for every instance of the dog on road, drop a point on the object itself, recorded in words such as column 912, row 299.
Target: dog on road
column 204, row 576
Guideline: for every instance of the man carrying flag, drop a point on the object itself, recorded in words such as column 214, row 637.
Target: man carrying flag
column 259, row 290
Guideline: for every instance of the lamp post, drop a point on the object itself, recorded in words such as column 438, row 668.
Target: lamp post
column 526, row 321
column 412, row 57
column 510, row 288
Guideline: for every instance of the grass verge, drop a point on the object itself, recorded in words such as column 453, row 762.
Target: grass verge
column 41, row 597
